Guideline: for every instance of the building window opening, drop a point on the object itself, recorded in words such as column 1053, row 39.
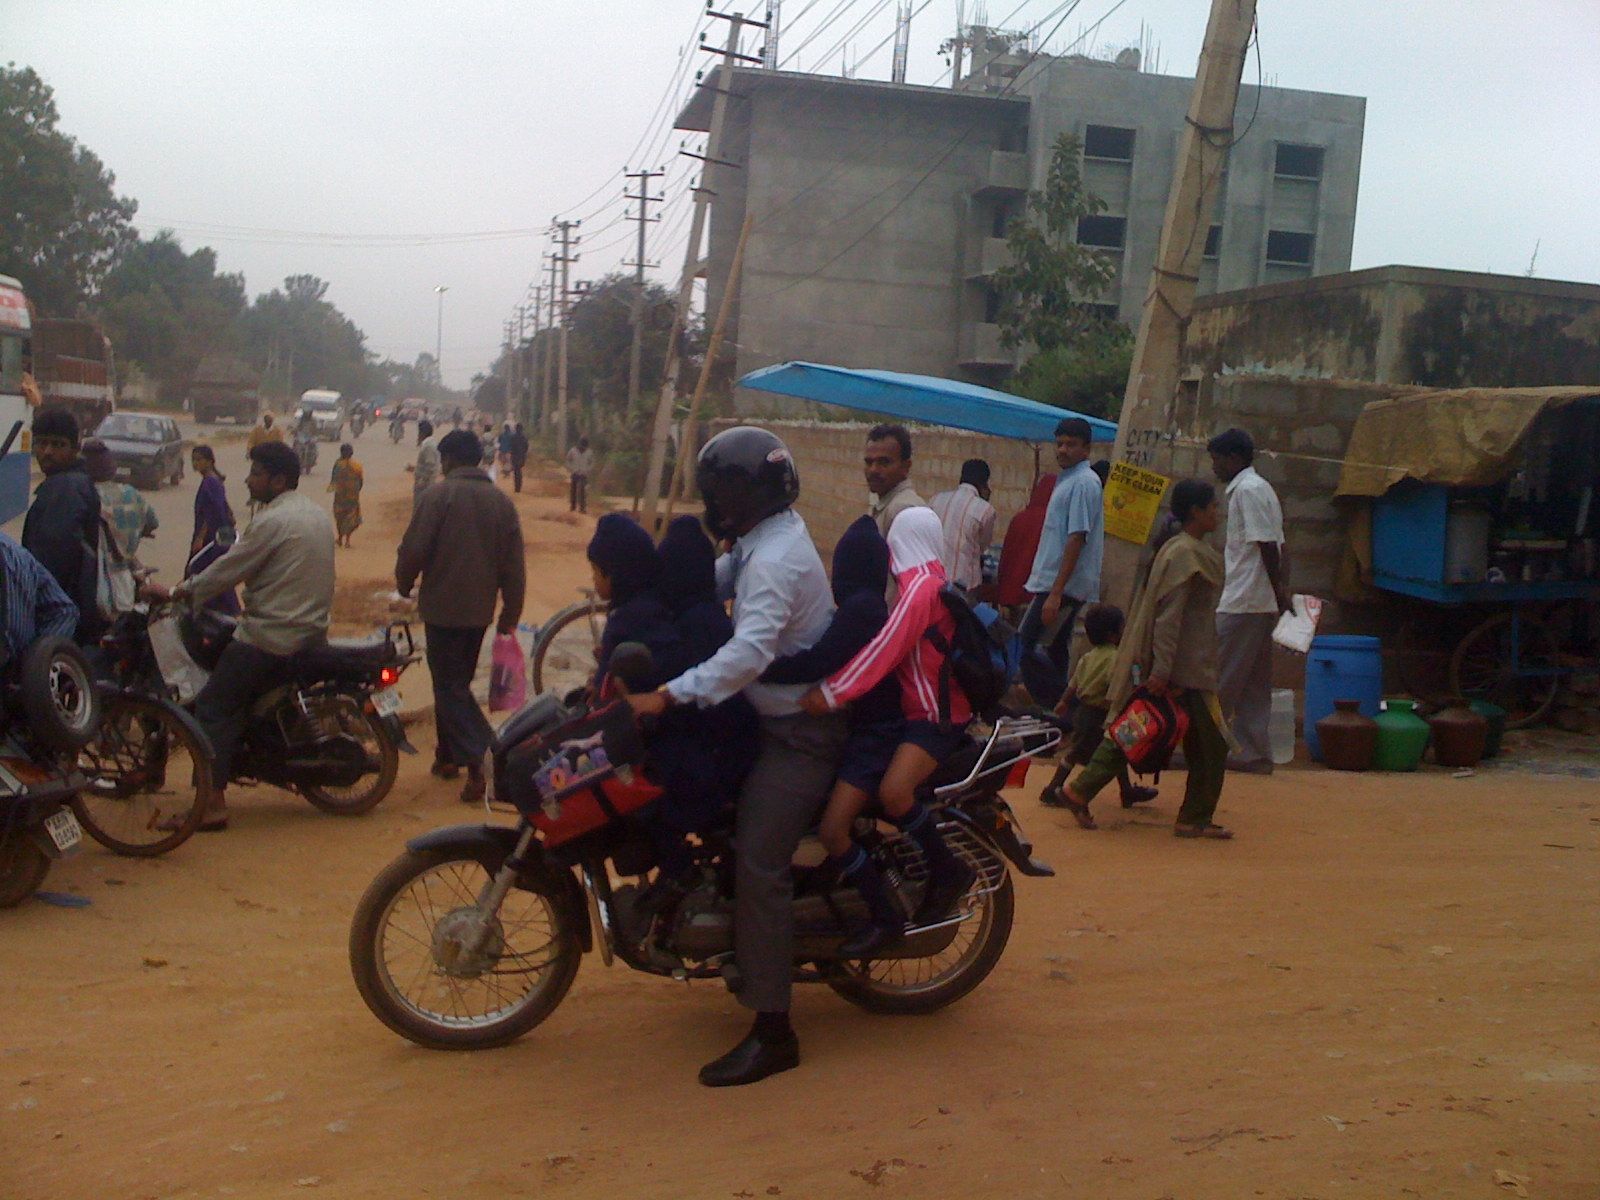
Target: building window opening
column 992, row 303
column 1004, row 214
column 1289, row 249
column 1298, row 162
column 1103, row 233
column 1108, row 141
column 1214, row 242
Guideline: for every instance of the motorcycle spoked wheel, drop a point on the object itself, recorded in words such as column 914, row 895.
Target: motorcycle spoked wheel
column 406, row 952
column 912, row 986
column 368, row 792
column 23, row 867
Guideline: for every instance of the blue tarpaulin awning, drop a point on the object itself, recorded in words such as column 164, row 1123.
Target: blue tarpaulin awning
column 924, row 398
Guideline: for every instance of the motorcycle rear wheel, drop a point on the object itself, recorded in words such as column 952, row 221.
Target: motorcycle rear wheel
column 23, row 867
column 366, row 794
column 396, row 940
column 913, row 986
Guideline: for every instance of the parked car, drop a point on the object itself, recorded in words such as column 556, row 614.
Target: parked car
column 145, row 446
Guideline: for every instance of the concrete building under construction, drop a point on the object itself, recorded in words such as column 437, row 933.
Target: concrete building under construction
column 880, row 209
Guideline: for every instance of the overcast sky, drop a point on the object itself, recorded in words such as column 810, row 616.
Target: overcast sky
column 389, row 147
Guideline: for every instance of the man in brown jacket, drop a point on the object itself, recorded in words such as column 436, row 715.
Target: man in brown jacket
column 465, row 540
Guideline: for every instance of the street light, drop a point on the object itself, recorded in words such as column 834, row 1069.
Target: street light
column 438, row 337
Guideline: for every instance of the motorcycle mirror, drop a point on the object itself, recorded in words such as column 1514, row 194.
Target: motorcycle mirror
column 631, row 667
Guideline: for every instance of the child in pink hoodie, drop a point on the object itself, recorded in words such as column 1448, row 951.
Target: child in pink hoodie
column 936, row 714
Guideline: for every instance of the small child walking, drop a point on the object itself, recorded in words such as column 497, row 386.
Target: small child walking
column 916, row 541
column 1085, row 702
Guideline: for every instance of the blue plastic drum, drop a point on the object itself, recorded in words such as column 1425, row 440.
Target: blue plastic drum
column 1341, row 667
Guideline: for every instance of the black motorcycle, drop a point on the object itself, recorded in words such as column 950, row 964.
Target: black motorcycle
column 473, row 936
column 48, row 711
column 332, row 733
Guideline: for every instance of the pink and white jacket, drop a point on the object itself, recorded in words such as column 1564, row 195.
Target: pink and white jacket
column 916, row 540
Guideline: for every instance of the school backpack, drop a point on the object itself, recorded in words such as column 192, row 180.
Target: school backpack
column 1148, row 730
column 978, row 655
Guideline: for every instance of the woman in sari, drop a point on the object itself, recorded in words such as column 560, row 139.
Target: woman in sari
column 211, row 516
column 345, row 485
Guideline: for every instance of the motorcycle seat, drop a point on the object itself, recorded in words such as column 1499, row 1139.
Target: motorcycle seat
column 349, row 654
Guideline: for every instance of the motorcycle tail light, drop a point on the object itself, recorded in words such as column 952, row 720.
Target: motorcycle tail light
column 388, row 677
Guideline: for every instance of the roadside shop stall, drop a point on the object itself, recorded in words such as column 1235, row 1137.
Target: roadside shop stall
column 1478, row 513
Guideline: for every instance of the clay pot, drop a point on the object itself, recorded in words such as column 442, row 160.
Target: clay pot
column 1496, row 716
column 1349, row 740
column 1460, row 735
column 1402, row 736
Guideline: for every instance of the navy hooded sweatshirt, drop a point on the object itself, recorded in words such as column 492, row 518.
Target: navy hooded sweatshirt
column 628, row 557
column 860, row 578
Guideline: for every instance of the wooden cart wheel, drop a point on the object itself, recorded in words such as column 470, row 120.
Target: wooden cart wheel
column 1482, row 669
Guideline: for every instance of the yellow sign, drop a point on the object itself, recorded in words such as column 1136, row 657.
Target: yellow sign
column 1132, row 500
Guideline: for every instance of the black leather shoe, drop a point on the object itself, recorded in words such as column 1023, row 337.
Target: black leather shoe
column 866, row 942
column 750, row 1060
column 943, row 893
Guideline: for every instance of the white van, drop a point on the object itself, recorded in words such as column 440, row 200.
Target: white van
column 327, row 412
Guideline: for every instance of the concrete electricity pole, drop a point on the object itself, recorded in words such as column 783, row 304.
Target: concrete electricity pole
column 693, row 267
column 533, row 416
column 438, row 336
column 636, row 350
column 1147, row 408
column 565, row 259
column 546, row 384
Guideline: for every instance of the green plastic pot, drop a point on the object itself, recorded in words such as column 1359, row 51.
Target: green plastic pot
column 1496, row 716
column 1402, row 736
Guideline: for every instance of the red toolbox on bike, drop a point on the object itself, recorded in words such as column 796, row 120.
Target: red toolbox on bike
column 581, row 775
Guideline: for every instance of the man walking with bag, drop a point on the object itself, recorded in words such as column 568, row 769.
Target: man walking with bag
column 465, row 541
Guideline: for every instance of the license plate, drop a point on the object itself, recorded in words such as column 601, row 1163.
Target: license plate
column 63, row 829
column 387, row 702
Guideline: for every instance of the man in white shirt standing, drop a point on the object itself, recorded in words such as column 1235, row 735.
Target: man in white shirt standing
column 580, row 462
column 968, row 520
column 1254, row 593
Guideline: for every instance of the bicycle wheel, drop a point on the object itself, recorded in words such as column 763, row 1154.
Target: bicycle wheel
column 150, row 780
column 568, row 648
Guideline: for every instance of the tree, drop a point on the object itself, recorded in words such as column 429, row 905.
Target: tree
column 61, row 222
column 1089, row 376
column 300, row 340
column 1049, row 287
column 166, row 310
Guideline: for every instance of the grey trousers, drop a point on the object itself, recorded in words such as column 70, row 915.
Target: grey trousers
column 1244, row 653
column 782, row 795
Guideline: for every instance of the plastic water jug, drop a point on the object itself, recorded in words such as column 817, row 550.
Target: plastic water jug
column 1280, row 728
column 1340, row 667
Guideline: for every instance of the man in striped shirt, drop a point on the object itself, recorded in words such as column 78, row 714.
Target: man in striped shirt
column 35, row 605
column 968, row 521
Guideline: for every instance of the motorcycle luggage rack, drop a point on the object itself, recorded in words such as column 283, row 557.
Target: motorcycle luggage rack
column 1007, row 730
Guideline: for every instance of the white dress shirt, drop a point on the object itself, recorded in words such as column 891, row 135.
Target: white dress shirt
column 781, row 604
column 1254, row 515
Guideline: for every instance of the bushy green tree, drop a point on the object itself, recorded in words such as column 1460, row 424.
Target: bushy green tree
column 61, row 221
column 1089, row 375
column 1051, row 282
column 300, row 340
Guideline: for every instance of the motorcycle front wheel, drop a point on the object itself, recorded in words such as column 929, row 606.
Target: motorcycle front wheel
column 23, row 867
column 912, row 986
column 439, row 972
column 367, row 792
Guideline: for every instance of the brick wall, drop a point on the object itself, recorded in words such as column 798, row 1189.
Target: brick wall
column 833, row 492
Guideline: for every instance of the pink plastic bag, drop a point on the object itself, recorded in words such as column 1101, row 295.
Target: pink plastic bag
column 508, row 674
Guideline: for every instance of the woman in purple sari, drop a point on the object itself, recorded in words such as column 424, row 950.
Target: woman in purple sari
column 211, row 514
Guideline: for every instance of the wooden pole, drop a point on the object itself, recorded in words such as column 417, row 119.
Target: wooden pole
column 1147, row 408
column 680, row 473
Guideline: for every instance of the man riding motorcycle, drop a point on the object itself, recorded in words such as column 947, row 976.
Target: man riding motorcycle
column 782, row 603
column 284, row 558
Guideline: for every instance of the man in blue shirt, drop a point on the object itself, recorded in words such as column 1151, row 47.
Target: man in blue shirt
column 782, row 603
column 1066, row 567
column 35, row 605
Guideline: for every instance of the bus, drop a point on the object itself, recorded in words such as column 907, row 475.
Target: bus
column 16, row 330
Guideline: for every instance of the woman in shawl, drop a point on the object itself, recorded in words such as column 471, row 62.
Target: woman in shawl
column 1170, row 649
column 345, row 482
column 212, row 515
column 936, row 721
column 1022, row 543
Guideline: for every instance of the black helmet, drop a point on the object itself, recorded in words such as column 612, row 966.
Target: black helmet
column 745, row 475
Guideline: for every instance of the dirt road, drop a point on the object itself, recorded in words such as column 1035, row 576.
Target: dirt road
column 1385, row 987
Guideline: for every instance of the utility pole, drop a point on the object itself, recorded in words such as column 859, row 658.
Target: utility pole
column 535, row 403
column 958, row 44
column 438, row 336
column 546, row 384
column 769, row 48
column 514, row 400
column 565, row 259
column 693, row 267
column 1147, row 408
column 508, row 352
column 902, row 42
column 636, row 350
